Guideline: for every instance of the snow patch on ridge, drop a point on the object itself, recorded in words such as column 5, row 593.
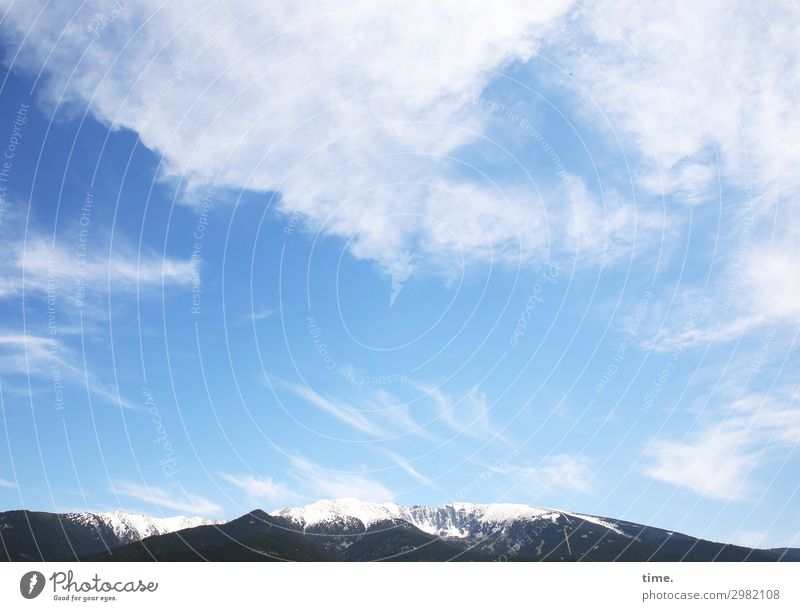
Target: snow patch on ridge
column 599, row 521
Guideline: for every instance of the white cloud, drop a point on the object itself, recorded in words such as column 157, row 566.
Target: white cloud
column 262, row 489
column 351, row 113
column 381, row 414
column 721, row 456
column 319, row 482
column 409, row 469
column 26, row 353
column 397, row 414
column 772, row 276
column 759, row 290
column 65, row 292
column 560, row 471
column 703, row 98
column 49, row 358
column 263, row 314
column 347, row 414
column 695, row 89
column 4, row 483
column 50, row 268
column 175, row 500
column 604, row 231
column 371, row 410
column 751, row 538
column 468, row 415
column 713, row 464
column 310, row 482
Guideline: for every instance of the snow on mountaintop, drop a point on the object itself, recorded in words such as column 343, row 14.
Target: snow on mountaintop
column 502, row 512
column 331, row 510
column 131, row 527
column 452, row 520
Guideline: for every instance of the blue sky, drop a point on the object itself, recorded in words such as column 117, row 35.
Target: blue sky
column 254, row 257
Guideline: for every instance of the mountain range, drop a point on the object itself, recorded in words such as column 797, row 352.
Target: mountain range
column 351, row 530
column 36, row 535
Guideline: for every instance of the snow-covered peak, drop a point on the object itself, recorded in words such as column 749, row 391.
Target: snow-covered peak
column 452, row 520
column 470, row 519
column 129, row 527
column 333, row 510
column 501, row 512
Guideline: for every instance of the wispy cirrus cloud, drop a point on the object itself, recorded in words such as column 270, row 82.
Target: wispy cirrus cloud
column 566, row 472
column 468, row 414
column 373, row 411
column 720, row 457
column 49, row 358
column 378, row 413
column 321, row 482
column 406, row 466
column 711, row 463
column 260, row 490
column 347, row 414
column 41, row 266
column 263, row 314
column 758, row 290
column 174, row 499
column 309, row 481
